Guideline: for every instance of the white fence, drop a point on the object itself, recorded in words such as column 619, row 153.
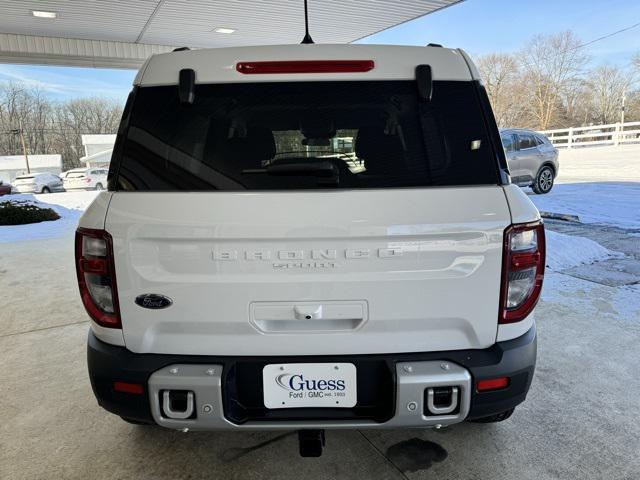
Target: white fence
column 612, row 134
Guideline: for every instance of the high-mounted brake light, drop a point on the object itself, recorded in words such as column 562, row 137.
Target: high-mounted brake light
column 522, row 270
column 97, row 276
column 305, row 66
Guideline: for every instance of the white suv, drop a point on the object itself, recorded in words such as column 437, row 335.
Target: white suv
column 326, row 242
column 85, row 179
column 43, row 182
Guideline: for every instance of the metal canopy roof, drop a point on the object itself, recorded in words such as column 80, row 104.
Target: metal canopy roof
column 120, row 33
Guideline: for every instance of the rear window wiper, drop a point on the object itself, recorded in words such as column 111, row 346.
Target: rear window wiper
column 317, row 169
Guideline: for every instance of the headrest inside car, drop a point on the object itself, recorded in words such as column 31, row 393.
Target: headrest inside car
column 381, row 152
column 244, row 152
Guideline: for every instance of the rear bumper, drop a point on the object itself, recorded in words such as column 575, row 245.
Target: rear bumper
column 231, row 387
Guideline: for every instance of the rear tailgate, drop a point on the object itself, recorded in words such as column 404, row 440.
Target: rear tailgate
column 378, row 271
column 76, row 180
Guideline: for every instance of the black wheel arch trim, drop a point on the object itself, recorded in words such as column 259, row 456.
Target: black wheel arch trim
column 551, row 166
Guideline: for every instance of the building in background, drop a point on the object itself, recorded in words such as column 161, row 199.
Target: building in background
column 97, row 149
column 13, row 165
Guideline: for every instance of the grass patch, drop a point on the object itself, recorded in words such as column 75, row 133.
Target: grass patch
column 21, row 213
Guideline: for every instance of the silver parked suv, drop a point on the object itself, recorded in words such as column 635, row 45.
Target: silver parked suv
column 532, row 160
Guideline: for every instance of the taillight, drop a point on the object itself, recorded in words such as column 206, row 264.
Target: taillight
column 305, row 66
column 97, row 276
column 522, row 270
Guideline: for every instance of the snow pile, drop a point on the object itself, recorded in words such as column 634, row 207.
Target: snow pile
column 610, row 203
column 69, row 205
column 567, row 251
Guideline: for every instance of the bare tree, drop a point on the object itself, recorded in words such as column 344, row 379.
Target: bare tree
column 632, row 106
column 575, row 105
column 503, row 81
column 551, row 65
column 52, row 127
column 607, row 86
column 83, row 116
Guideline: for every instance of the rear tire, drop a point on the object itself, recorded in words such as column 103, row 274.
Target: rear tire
column 498, row 417
column 46, row 190
column 544, row 181
column 99, row 186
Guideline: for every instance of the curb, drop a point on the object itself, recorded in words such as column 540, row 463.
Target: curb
column 560, row 216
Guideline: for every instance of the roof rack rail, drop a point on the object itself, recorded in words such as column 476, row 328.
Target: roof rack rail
column 180, row 49
column 434, row 45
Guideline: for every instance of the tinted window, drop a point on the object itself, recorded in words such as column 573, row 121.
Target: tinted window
column 540, row 140
column 507, row 142
column 305, row 135
column 526, row 140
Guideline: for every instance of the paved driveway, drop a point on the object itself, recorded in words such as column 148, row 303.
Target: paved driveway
column 580, row 420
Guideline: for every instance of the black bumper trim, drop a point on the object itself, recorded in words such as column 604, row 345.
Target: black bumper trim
column 513, row 358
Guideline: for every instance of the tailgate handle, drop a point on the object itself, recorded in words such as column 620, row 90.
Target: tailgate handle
column 307, row 317
column 308, row 312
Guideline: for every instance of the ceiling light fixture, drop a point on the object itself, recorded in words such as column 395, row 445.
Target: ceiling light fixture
column 43, row 14
column 224, row 30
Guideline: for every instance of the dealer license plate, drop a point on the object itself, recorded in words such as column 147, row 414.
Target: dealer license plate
column 296, row 385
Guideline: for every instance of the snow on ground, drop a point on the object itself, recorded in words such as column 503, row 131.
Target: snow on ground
column 610, row 203
column 600, row 164
column 69, row 205
column 588, row 299
column 567, row 251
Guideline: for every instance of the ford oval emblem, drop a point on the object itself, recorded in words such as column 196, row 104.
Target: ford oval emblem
column 153, row 301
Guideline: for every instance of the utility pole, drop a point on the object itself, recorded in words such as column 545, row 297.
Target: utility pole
column 24, row 145
column 624, row 97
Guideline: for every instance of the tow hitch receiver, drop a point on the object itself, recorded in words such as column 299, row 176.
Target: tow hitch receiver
column 441, row 400
column 311, row 442
column 177, row 404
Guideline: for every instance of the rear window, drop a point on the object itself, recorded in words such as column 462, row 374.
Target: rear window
column 75, row 175
column 305, row 135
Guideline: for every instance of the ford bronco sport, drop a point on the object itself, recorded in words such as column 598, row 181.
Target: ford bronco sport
column 308, row 237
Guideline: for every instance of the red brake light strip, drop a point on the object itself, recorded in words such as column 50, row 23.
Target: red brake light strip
column 305, row 66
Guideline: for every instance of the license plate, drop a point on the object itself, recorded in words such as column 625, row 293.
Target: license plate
column 295, row 385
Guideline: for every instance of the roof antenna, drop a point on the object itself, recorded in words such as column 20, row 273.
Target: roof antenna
column 307, row 38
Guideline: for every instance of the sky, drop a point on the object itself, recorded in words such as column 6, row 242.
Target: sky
column 478, row 26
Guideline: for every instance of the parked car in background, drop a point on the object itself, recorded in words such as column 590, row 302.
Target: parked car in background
column 5, row 188
column 43, row 182
column 86, row 179
column 532, row 159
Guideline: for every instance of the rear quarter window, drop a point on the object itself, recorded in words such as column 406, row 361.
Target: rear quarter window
column 305, row 135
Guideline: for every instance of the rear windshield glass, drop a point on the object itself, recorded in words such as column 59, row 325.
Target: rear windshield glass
column 75, row 175
column 305, row 135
